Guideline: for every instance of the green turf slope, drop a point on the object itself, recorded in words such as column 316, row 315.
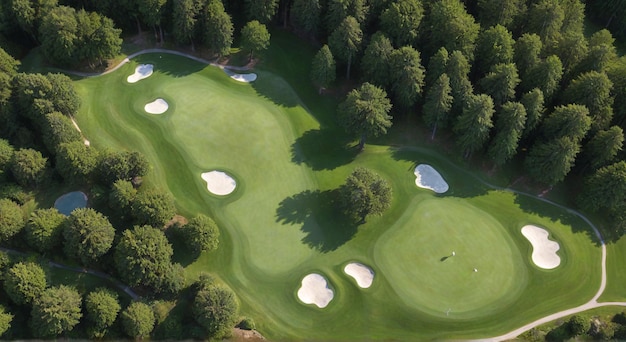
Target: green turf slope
column 281, row 222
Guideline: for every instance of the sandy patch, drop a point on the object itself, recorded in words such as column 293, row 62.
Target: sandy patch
column 544, row 250
column 246, row 78
column 219, row 183
column 315, row 290
column 363, row 275
column 158, row 106
column 141, row 71
column 428, row 178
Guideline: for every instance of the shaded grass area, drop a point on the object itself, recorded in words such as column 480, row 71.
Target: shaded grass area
column 288, row 156
column 616, row 277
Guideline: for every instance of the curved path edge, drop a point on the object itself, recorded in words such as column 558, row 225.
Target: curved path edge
column 156, row 50
column 591, row 304
column 95, row 273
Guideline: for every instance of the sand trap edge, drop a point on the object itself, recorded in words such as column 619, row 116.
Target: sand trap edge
column 427, row 177
column 219, row 183
column 141, row 71
column 362, row 274
column 314, row 289
column 544, row 250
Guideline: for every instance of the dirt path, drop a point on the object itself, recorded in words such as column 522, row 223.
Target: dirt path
column 95, row 273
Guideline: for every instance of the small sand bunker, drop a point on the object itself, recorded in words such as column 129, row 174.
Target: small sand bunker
column 315, row 290
column 363, row 275
column 244, row 77
column 70, row 201
column 544, row 250
column 219, row 183
column 142, row 71
column 158, row 106
column 428, row 178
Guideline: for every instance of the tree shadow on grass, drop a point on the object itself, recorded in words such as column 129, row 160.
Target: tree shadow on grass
column 323, row 149
column 318, row 215
column 169, row 64
column 275, row 89
column 538, row 207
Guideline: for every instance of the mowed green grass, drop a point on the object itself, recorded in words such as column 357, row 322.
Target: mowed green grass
column 280, row 224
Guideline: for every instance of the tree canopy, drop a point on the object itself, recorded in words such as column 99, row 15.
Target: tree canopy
column 215, row 309
column 102, row 307
column 11, row 219
column 44, row 229
column 365, row 112
column 201, row 234
column 254, row 38
column 323, row 70
column 88, row 235
column 24, row 282
column 56, row 311
column 365, row 193
column 138, row 320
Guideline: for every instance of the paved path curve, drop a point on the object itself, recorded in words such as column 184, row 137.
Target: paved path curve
column 143, row 52
column 95, row 273
column 593, row 303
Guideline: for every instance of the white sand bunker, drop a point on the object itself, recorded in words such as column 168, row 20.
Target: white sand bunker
column 247, row 78
column 219, row 183
column 428, row 178
column 142, row 71
column 158, row 106
column 315, row 290
column 544, row 250
column 363, row 275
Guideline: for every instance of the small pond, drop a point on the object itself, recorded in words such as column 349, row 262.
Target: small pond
column 70, row 201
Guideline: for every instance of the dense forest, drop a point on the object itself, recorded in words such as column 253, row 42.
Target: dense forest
column 517, row 81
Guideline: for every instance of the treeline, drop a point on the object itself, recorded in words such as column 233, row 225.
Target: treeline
column 40, row 148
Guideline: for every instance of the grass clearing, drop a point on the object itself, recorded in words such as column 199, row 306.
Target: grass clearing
column 278, row 139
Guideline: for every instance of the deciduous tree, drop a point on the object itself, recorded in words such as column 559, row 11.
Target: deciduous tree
column 88, row 235
column 56, row 311
column 364, row 193
column 323, row 69
column 102, row 307
column 201, row 234
column 59, row 130
column 254, row 37
column 365, row 112
column 142, row 257
column 11, row 219
column 122, row 196
column 152, row 207
column 184, row 20
column 215, row 309
column 44, row 229
column 76, row 162
column 138, row 320
column 24, row 282
column 5, row 320
column 28, row 167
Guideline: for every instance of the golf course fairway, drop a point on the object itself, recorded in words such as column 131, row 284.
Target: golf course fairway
column 281, row 224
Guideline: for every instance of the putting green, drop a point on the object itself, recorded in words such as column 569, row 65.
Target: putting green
column 280, row 222
column 428, row 277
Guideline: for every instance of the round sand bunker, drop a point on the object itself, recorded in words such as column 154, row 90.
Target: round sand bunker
column 142, row 71
column 363, row 275
column 428, row 178
column 315, row 290
column 544, row 250
column 219, row 183
column 247, row 78
column 158, row 106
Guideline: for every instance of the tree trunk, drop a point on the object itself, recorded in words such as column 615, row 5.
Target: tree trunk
column 320, row 90
column 362, row 142
column 138, row 26
column 610, row 20
column 161, row 33
column 193, row 46
column 348, row 69
column 285, row 15
column 156, row 34
column 432, row 137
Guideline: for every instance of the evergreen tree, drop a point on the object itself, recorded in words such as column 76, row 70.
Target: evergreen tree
column 473, row 126
column 509, row 128
column 323, row 69
column 436, row 110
